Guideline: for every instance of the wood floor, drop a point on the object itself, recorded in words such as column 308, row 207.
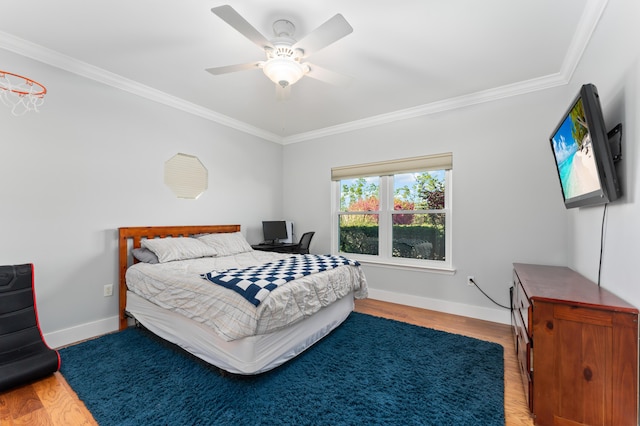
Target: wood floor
column 52, row 402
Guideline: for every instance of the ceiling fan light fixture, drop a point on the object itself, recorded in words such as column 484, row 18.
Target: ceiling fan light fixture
column 283, row 52
column 284, row 71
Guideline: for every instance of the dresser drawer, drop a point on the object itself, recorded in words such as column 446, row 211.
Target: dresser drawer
column 524, row 355
column 523, row 346
column 521, row 304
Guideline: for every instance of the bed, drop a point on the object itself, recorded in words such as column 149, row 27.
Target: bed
column 175, row 296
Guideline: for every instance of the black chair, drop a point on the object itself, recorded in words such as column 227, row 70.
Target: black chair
column 24, row 356
column 303, row 245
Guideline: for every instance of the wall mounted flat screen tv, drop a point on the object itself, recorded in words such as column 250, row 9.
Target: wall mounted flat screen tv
column 582, row 153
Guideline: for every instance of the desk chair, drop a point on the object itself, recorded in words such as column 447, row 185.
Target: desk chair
column 303, row 244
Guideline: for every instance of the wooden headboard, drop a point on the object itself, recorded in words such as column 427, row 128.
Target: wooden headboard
column 136, row 234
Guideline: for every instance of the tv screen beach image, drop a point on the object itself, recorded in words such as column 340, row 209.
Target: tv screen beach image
column 574, row 155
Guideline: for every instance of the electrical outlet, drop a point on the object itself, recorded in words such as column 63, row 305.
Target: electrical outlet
column 470, row 280
column 108, row 290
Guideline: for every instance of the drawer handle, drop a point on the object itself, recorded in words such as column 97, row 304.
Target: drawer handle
column 588, row 374
column 549, row 325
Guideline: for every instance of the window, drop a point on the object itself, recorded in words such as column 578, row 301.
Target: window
column 396, row 212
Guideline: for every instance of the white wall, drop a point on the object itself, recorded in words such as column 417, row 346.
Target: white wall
column 611, row 62
column 506, row 199
column 92, row 161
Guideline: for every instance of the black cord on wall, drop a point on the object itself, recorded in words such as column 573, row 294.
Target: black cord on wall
column 486, row 295
column 604, row 215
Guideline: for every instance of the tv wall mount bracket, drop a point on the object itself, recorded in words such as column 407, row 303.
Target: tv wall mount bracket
column 615, row 142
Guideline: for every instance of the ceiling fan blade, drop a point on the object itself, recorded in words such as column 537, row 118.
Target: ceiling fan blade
column 283, row 93
column 328, row 76
column 233, row 18
column 233, row 68
column 329, row 32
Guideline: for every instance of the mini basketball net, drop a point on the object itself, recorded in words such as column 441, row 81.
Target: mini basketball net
column 20, row 93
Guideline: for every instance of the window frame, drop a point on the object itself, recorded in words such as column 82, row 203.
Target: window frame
column 386, row 211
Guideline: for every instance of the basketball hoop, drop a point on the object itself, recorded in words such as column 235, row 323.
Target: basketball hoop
column 20, row 93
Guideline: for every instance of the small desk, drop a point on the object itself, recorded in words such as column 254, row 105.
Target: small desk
column 279, row 248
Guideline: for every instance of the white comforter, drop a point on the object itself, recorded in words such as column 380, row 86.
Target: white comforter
column 177, row 286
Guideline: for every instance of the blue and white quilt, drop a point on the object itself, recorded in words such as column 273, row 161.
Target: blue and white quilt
column 255, row 283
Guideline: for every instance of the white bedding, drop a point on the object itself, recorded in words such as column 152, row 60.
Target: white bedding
column 250, row 355
column 177, row 286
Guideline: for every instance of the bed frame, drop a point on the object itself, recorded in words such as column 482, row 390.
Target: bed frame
column 129, row 238
column 246, row 356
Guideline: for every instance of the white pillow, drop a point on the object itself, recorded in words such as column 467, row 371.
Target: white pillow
column 180, row 248
column 227, row 244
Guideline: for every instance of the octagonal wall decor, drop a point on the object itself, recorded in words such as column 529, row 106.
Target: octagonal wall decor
column 186, row 176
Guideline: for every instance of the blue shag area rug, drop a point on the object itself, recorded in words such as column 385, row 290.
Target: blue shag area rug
column 369, row 371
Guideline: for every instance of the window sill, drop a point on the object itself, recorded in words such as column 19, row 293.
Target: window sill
column 445, row 270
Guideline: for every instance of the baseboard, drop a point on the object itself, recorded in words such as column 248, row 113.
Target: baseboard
column 60, row 338
column 502, row 316
column 57, row 339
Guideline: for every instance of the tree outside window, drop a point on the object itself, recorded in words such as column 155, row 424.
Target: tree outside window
column 412, row 215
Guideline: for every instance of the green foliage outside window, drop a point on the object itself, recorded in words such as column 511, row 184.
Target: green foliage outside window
column 416, row 242
column 418, row 228
column 361, row 239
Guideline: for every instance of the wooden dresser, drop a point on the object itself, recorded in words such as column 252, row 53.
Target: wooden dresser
column 577, row 345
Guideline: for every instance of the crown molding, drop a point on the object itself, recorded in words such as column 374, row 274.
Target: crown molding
column 588, row 22
column 587, row 25
column 502, row 92
column 72, row 65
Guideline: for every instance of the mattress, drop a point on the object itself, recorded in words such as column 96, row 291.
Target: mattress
column 249, row 355
column 178, row 287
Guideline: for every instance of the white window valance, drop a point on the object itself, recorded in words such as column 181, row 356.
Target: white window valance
column 391, row 167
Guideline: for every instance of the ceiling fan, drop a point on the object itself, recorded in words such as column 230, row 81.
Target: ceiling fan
column 284, row 55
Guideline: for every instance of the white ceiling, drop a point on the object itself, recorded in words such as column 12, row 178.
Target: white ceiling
column 407, row 58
